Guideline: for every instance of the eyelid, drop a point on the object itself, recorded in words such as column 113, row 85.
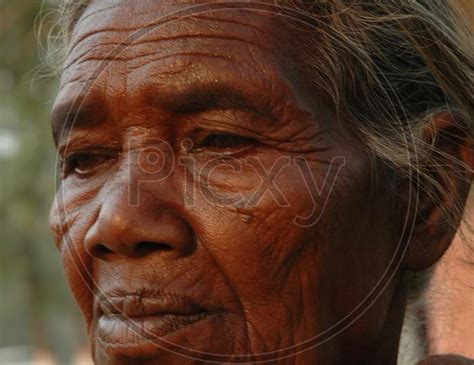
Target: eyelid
column 231, row 120
column 237, row 138
column 247, row 143
column 82, row 139
column 85, row 144
column 103, row 156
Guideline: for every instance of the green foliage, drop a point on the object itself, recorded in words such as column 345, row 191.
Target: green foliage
column 35, row 306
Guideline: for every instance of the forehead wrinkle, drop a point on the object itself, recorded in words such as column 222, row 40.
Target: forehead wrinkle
column 192, row 65
column 89, row 99
column 184, row 36
column 84, row 42
column 97, row 54
column 109, row 26
column 96, row 8
column 144, row 11
column 78, row 78
column 222, row 29
column 188, row 21
column 256, row 92
column 172, row 70
column 196, row 26
column 234, row 21
column 88, row 13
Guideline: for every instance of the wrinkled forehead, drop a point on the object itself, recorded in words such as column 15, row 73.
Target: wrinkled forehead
column 106, row 24
column 126, row 47
column 137, row 13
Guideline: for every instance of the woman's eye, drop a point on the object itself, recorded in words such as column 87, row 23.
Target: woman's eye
column 225, row 141
column 84, row 163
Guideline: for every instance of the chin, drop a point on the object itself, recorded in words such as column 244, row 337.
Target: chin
column 163, row 339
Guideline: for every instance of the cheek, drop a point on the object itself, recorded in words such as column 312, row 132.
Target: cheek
column 272, row 263
column 279, row 263
column 360, row 243
column 256, row 187
column 77, row 268
column 72, row 213
column 247, row 219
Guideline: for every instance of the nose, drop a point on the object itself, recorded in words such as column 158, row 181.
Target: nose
column 126, row 230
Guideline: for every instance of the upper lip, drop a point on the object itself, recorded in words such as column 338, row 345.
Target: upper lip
column 142, row 304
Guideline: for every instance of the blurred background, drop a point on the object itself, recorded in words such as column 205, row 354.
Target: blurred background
column 39, row 323
column 38, row 320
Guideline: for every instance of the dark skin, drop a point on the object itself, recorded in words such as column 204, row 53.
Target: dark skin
column 165, row 279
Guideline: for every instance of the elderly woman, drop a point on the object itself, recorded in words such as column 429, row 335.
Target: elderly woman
column 267, row 181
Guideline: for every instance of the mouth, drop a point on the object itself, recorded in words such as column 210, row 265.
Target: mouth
column 138, row 323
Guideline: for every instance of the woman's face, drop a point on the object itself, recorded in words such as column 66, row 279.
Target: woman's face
column 211, row 208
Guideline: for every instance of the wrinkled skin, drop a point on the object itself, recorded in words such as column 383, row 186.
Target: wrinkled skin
column 264, row 283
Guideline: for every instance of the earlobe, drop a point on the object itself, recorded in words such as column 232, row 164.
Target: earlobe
column 443, row 188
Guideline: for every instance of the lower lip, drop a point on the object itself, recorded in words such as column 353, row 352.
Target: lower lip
column 121, row 335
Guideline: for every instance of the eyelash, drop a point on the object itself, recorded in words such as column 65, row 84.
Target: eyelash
column 225, row 141
column 84, row 163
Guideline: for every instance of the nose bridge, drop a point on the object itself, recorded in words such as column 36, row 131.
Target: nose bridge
column 149, row 165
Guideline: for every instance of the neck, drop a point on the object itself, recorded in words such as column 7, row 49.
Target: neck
column 386, row 348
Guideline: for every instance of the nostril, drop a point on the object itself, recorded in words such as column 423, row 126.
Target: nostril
column 145, row 247
column 100, row 251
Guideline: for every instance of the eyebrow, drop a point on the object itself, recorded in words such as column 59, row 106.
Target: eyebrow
column 202, row 97
column 194, row 99
column 78, row 113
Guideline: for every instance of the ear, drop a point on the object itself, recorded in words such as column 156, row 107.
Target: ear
column 442, row 193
